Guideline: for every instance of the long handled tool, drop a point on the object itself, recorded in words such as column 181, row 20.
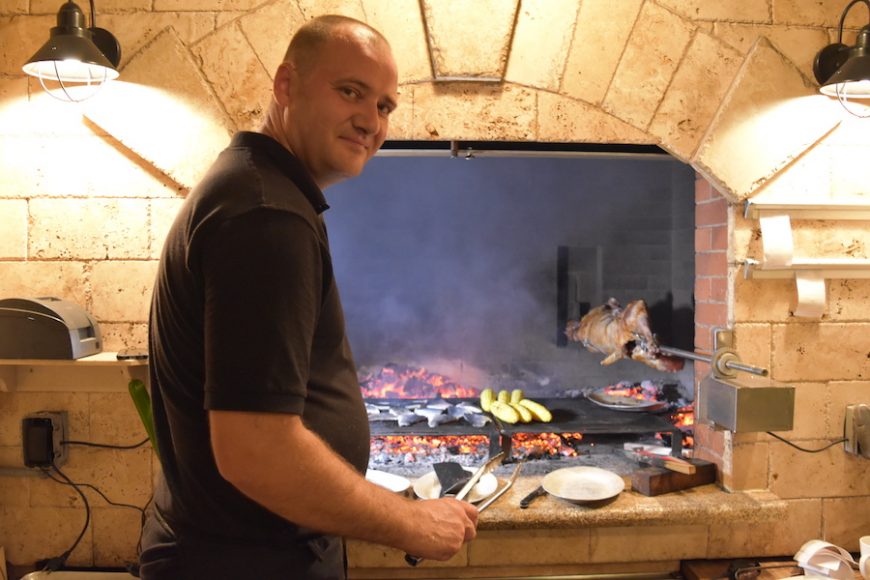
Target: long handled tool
column 490, row 464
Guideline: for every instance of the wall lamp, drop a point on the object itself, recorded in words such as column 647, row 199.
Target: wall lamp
column 844, row 71
column 75, row 56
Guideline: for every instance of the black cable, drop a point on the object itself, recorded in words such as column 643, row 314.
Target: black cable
column 804, row 449
column 141, row 510
column 106, row 445
column 142, row 524
column 100, row 493
column 56, row 563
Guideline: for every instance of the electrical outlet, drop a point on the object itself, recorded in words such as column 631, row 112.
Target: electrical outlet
column 857, row 430
column 42, row 436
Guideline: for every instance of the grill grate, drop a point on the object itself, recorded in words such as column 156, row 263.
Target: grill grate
column 569, row 416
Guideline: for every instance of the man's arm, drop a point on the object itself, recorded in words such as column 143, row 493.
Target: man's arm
column 276, row 461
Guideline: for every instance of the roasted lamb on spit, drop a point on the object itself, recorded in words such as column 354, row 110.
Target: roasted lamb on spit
column 621, row 333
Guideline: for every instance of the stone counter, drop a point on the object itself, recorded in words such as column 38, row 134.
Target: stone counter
column 707, row 504
column 629, row 534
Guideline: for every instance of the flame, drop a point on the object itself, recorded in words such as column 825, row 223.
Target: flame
column 394, row 381
column 641, row 391
column 684, row 419
column 537, row 445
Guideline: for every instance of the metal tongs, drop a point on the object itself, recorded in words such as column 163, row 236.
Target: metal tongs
column 490, row 464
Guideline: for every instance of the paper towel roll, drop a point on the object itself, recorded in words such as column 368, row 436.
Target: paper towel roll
column 777, row 240
column 810, row 294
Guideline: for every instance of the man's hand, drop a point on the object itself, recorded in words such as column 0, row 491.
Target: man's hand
column 443, row 525
column 298, row 477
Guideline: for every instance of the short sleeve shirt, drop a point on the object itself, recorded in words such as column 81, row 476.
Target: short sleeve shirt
column 246, row 316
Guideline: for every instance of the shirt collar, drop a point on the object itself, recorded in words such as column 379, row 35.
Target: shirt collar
column 288, row 163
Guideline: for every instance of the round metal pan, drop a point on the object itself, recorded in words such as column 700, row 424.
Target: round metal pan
column 583, row 484
column 627, row 404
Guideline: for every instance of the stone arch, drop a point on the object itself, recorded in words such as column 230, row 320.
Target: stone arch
column 664, row 79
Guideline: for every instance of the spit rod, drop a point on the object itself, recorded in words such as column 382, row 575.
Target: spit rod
column 731, row 364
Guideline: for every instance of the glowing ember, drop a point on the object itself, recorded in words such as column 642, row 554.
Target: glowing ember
column 642, row 391
column 416, row 447
column 538, row 445
column 399, row 382
column 684, row 419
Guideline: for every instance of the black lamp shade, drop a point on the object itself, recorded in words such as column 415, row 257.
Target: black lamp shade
column 852, row 79
column 70, row 54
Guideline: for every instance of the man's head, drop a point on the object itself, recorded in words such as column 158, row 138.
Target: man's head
column 332, row 97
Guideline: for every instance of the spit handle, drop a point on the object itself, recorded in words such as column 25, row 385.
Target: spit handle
column 730, row 362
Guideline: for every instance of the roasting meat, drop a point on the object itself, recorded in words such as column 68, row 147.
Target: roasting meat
column 621, row 333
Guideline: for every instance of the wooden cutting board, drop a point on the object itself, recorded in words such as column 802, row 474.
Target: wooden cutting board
column 658, row 480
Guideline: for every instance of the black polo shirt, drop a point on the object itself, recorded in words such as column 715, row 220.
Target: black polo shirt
column 246, row 317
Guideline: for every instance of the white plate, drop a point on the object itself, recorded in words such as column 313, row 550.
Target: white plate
column 583, row 484
column 428, row 486
column 629, row 404
column 389, row 481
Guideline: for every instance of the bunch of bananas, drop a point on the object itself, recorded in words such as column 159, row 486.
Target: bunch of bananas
column 512, row 407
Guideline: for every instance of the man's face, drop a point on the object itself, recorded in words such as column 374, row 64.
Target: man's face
column 339, row 106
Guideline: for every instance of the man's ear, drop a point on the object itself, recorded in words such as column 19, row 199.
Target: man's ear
column 284, row 78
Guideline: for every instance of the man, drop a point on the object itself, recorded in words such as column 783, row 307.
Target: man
column 261, row 428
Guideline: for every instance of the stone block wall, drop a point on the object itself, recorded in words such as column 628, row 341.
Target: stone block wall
column 86, row 194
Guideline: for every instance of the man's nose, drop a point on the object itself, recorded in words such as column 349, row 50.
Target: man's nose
column 368, row 119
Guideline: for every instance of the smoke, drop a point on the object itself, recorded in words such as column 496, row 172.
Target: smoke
column 440, row 258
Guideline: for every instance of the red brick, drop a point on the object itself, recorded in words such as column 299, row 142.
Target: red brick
column 703, row 189
column 711, row 213
column 709, row 443
column 718, row 289
column 703, row 239
column 711, row 264
column 703, row 289
column 718, row 237
column 711, row 314
column 703, row 340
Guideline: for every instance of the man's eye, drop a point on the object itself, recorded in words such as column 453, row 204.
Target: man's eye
column 385, row 110
column 349, row 92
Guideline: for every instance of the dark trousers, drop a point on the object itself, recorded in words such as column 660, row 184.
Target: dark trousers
column 166, row 556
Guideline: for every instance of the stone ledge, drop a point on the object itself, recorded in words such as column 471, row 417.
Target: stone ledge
column 556, row 537
column 708, row 505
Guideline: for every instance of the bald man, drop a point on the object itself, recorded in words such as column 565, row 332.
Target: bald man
column 261, row 428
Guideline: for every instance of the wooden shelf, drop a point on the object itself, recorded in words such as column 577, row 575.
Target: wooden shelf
column 101, row 372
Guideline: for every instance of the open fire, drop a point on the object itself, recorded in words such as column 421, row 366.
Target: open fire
column 397, row 385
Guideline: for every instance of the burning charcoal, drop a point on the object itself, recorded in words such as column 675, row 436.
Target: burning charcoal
column 477, row 420
column 439, row 404
column 427, row 412
column 469, row 408
column 436, row 420
column 410, row 419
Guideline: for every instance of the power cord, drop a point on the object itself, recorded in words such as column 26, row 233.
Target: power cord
column 106, row 445
column 56, row 563
column 804, row 449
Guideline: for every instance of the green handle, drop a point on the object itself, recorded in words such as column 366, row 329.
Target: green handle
column 142, row 401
